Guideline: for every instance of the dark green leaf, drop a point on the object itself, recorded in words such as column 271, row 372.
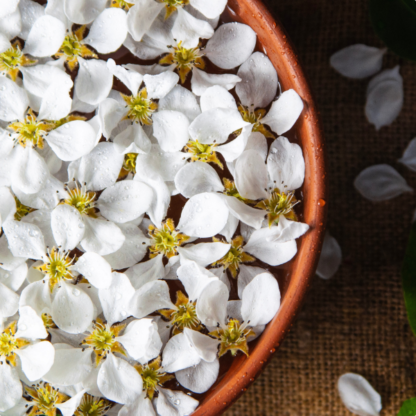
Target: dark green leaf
column 408, row 408
column 394, row 21
column 409, row 279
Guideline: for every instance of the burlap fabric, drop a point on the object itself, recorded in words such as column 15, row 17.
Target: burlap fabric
column 355, row 322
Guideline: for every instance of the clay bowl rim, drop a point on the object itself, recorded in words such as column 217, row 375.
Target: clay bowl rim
column 275, row 43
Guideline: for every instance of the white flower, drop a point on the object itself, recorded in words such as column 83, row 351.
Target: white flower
column 10, row 21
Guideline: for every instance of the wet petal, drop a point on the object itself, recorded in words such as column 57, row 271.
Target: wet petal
column 95, row 269
column 7, row 7
column 159, row 85
column 146, row 271
column 133, row 139
column 69, row 407
column 232, row 150
column 141, row 17
column 287, row 230
column 38, row 296
column 181, row 99
column 67, row 226
column 29, row 13
column 9, row 301
column 212, row 9
column 4, row 43
column 131, row 79
column 30, row 324
column 83, row 12
column 201, row 81
column 10, row 386
column 141, row 406
column 199, row 378
column 7, row 204
column 409, row 156
column 204, row 253
column 171, row 130
column 211, row 307
column 330, row 259
column 15, row 278
column 380, row 183
column 246, row 275
column 217, row 97
column 358, row 395
column 172, row 403
column 110, row 113
column 358, row 61
column 13, row 100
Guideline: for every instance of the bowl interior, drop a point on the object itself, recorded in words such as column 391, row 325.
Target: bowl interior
column 274, row 43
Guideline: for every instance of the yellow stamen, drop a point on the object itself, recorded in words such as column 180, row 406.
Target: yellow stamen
column 152, row 375
column 254, row 117
column 9, row 344
column 67, row 119
column 21, row 210
column 140, row 107
column 31, row 131
column 165, row 240
column 82, row 200
column 45, row 398
column 172, row 5
column 48, row 321
column 235, row 256
column 279, row 203
column 121, row 4
column 184, row 316
column 203, row 152
column 233, row 338
column 13, row 59
column 231, row 190
column 93, row 406
column 102, row 340
column 184, row 59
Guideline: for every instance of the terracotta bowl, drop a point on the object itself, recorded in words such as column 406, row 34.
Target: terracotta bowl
column 274, row 42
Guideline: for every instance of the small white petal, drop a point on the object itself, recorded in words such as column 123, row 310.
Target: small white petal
column 358, row 61
column 179, row 354
column 30, row 324
column 171, row 130
column 145, row 272
column 212, row 9
column 358, row 395
column 125, row 201
column 7, row 204
column 231, row 45
column 211, row 307
column 149, row 298
column 175, row 403
column 384, row 98
column 141, row 406
column 131, row 79
column 10, row 386
column 93, row 82
column 72, row 309
column 95, row 269
column 330, row 259
column 67, row 226
column 9, row 301
column 409, row 156
column 69, row 407
column 14, row 279
column 245, row 276
column 4, row 43
column 110, row 113
column 217, row 97
column 204, row 215
column 83, row 12
column 36, row 359
column 116, row 297
column 201, row 81
column 230, row 228
column 204, row 253
column 133, row 139
column 8, row 261
column 258, row 84
column 380, row 183
column 181, row 99
column 159, row 85
column 284, row 112
column 7, row 7
column 36, row 295
column 141, row 17
column 260, row 300
column 287, row 230
column 45, row 38
column 56, row 102
column 13, row 100
column 119, row 381
column 11, row 25
column 258, row 142
column 198, row 177
column 108, row 31
column 200, row 378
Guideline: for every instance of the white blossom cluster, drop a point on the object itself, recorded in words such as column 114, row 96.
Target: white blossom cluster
column 106, row 303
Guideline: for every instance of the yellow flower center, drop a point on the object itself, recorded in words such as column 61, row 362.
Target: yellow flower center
column 21, row 210
column 71, row 46
column 172, row 5
column 203, row 152
column 9, row 344
column 129, row 163
column 279, row 203
column 31, row 131
column 45, row 398
column 165, row 240
column 140, row 107
column 82, row 200
column 92, row 406
column 13, row 59
column 122, row 4
column 58, row 267
column 48, row 321
column 184, row 59
column 231, row 190
column 235, row 256
column 254, row 118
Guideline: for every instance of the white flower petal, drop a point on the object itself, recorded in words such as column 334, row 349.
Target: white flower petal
column 30, row 325
column 11, row 25
column 100, row 168
column 67, row 226
column 259, row 81
column 36, row 295
column 211, row 307
column 181, row 99
column 133, row 139
column 94, row 81
column 141, row 340
column 25, row 240
column 145, row 272
column 330, row 259
column 101, row 237
column 171, row 130
column 204, row 253
column 147, row 48
column 286, row 230
column 110, row 113
column 258, row 142
column 52, row 160
column 7, row 260
column 72, row 309
column 56, row 102
column 212, row 9
column 125, row 201
column 141, row 406
column 229, row 229
column 205, row 346
column 95, row 269
column 9, row 301
column 4, row 43
column 286, row 165
column 245, row 276
column 358, row 395
column 108, row 31
column 203, row 215
column 198, row 177
column 358, row 61
column 7, row 204
column 131, row 79
column 36, row 359
column 10, row 386
column 201, row 81
column 271, row 252
column 380, row 183
column 69, row 407
column 188, row 30
column 149, row 298
column 251, row 177
column 200, row 378
column 384, row 98
column 7, row 7
column 217, row 97
column 260, row 300
column 45, row 38
column 133, row 249
column 14, row 279
column 284, row 112
column 30, row 11
column 119, row 381
column 13, row 100
column 141, row 17
column 83, row 12
column 115, row 298
column 231, row 45
column 409, row 156
column 71, row 365
column 158, row 86
column 175, row 403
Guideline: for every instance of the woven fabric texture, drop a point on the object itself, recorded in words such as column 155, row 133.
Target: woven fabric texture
column 355, row 322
